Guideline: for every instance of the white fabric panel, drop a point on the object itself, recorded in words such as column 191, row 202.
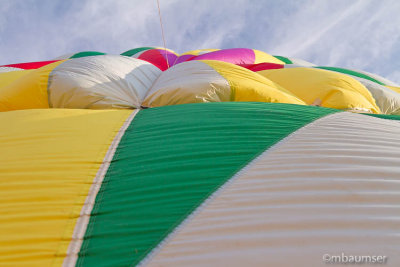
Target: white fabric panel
column 139, row 53
column 379, row 78
column 188, row 82
column 288, row 66
column 332, row 187
column 387, row 100
column 8, row 69
column 300, row 62
column 104, row 81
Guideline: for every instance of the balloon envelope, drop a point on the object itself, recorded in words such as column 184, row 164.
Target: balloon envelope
column 215, row 157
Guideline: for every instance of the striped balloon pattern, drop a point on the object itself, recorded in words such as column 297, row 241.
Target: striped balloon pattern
column 212, row 157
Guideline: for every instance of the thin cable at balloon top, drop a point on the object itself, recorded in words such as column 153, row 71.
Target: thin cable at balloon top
column 162, row 32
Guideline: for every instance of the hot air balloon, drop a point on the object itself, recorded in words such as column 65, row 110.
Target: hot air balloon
column 213, row 157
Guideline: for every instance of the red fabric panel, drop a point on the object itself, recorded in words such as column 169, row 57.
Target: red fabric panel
column 261, row 66
column 30, row 65
column 154, row 57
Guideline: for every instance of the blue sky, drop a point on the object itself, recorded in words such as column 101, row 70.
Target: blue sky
column 363, row 34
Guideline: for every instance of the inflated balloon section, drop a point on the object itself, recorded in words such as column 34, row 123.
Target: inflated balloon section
column 214, row 157
column 152, row 77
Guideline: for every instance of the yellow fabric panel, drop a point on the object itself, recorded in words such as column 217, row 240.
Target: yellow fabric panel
column 162, row 48
column 394, row 88
column 8, row 77
column 325, row 88
column 247, row 85
column 30, row 91
column 48, row 160
column 264, row 57
column 198, row 51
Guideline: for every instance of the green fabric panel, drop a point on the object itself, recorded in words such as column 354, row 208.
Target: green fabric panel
column 87, row 54
column 384, row 116
column 351, row 72
column 169, row 161
column 131, row 52
column 284, row 59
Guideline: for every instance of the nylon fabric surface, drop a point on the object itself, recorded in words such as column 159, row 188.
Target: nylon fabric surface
column 188, row 82
column 169, row 161
column 249, row 86
column 384, row 116
column 330, row 187
column 29, row 91
column 48, row 160
column 99, row 82
column 352, row 73
column 330, row 89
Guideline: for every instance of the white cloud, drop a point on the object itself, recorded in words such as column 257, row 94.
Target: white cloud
column 362, row 35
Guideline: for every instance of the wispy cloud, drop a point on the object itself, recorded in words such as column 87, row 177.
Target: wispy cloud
column 362, row 34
